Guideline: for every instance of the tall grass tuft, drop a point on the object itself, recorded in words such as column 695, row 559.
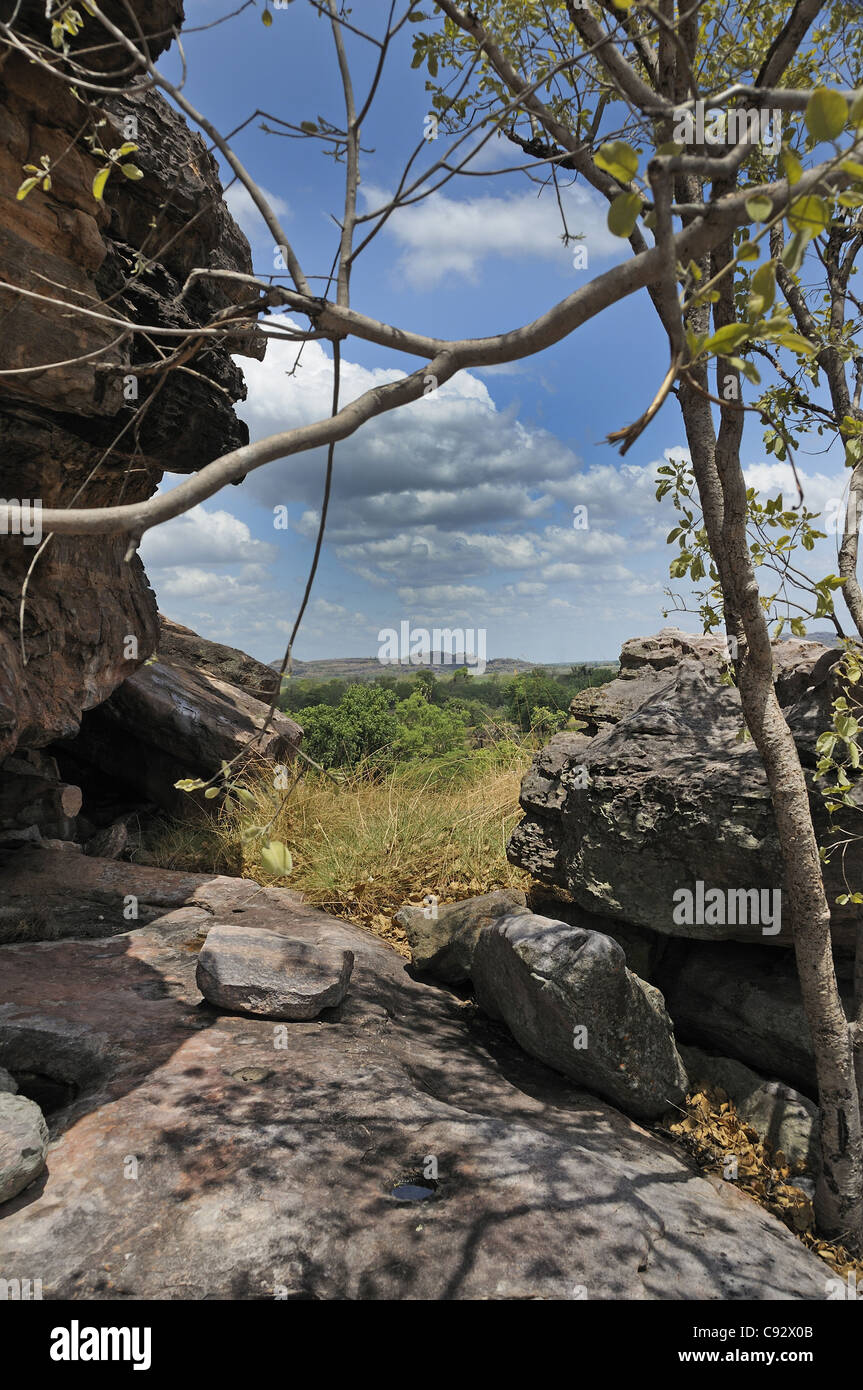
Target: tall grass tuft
column 369, row 841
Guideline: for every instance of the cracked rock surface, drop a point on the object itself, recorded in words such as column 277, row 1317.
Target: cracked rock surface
column 210, row 1156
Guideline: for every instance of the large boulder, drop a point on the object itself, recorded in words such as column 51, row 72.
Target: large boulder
column 178, row 643
column 251, row 971
column 443, row 937
column 567, row 997
column 23, row 1143
column 171, row 720
column 267, row 1171
column 671, row 796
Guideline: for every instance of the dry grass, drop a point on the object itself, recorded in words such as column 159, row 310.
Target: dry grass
column 367, row 844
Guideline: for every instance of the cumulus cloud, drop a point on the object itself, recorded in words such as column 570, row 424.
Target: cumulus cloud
column 442, row 237
column 204, row 537
column 245, row 211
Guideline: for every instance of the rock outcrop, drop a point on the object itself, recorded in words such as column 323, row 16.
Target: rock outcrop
column 181, row 644
column 85, row 430
column 266, row 1171
column 171, row 720
column 669, row 795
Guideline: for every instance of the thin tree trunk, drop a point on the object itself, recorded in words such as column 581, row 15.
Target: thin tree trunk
column 716, row 464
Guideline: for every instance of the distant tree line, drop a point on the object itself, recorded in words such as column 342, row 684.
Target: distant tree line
column 401, row 718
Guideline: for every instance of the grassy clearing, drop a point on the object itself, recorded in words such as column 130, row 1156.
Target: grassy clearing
column 369, row 842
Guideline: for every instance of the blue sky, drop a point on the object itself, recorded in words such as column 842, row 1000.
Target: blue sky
column 457, row 511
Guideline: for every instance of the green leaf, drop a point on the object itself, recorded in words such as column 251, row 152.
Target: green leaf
column 747, row 251
column 826, row 114
column 27, row 186
column 619, row 159
column 623, row 214
column 245, row 796
column 211, row 792
column 276, row 858
column 759, row 208
column 266, row 18
column 732, row 335
column 132, row 171
column 791, row 166
column 856, row 115
column 99, row 183
column 809, row 215
column 763, row 287
column 793, row 253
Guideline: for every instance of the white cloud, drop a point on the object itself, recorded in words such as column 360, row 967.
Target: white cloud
column 203, row 537
column 444, row 237
column 246, row 214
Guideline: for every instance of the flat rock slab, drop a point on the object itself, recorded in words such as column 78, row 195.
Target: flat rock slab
column 264, row 1168
column 23, row 1143
column 248, row 970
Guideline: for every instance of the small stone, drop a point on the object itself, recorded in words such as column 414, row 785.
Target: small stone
column 23, row 1144
column 253, row 971
column 7, row 1081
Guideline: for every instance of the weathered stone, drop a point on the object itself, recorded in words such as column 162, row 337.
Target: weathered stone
column 83, row 896
column 170, row 721
column 67, row 431
column 251, row 971
column 7, row 1081
column 23, row 1143
column 781, row 1115
column 181, row 644
column 670, row 795
column 443, row 937
column 283, row 1186
column 566, row 995
column 644, row 666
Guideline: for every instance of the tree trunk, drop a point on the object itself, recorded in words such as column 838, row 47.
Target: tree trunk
column 716, row 464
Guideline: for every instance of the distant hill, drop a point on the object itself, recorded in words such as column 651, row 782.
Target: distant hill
column 367, row 668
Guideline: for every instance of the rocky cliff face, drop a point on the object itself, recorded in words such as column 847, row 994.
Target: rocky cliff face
column 94, row 430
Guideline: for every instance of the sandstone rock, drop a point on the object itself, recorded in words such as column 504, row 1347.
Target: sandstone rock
column 109, row 842
column 566, row 995
column 181, row 644
column 781, row 1115
column 85, row 600
column 669, row 796
column 443, row 937
column 170, row 721
column 286, row 1181
column 644, row 666
column 23, row 1143
column 251, row 971
column 83, row 896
